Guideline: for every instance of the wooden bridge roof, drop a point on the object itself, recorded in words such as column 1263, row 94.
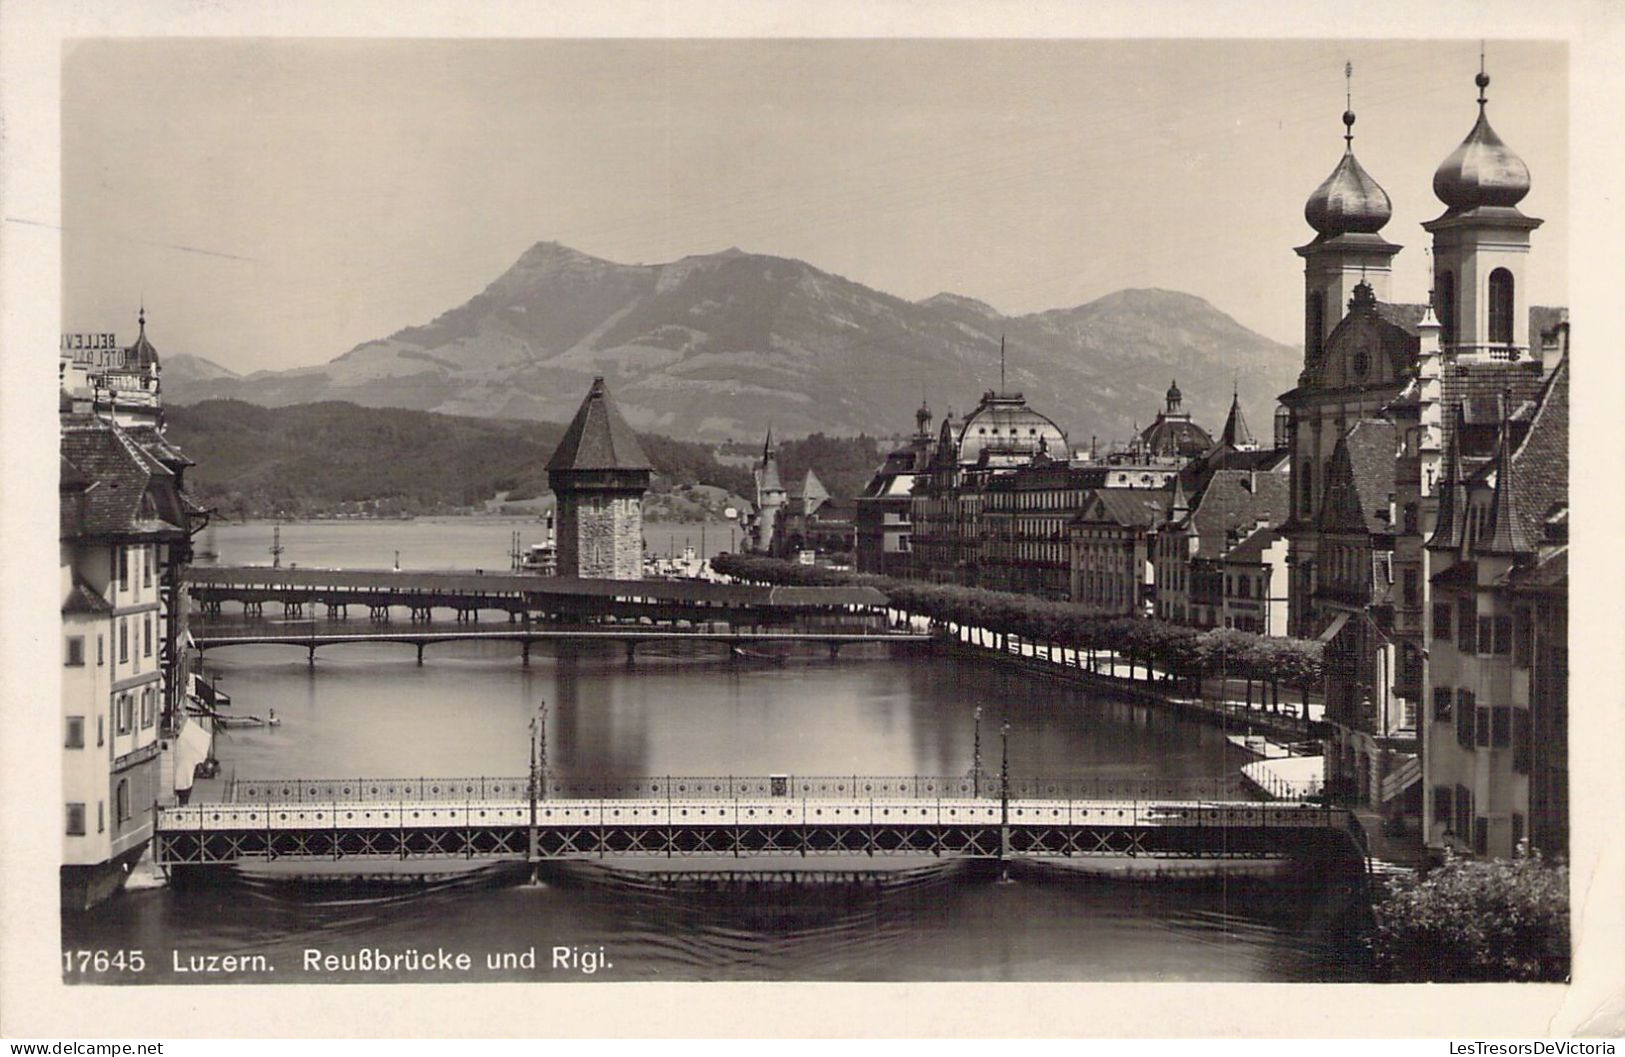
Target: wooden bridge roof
column 696, row 591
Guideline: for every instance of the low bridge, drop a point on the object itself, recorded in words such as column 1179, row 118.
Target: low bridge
column 524, row 598
column 500, row 819
column 631, row 637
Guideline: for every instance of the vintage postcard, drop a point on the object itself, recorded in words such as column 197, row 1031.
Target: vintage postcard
column 1009, row 504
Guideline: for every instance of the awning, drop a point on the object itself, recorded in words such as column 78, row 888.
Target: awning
column 191, row 748
column 1334, row 627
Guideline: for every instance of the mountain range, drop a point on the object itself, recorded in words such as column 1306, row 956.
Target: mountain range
column 724, row 345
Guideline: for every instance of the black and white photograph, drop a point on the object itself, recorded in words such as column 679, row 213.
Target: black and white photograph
column 681, row 508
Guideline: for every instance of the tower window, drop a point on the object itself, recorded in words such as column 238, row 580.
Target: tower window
column 1445, row 294
column 1500, row 307
column 1314, row 316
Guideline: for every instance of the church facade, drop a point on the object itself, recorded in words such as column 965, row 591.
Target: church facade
column 1386, row 389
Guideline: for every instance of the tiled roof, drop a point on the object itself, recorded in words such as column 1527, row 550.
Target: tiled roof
column 1236, row 501
column 119, row 490
column 1360, row 479
column 1250, row 551
column 1552, row 571
column 1137, row 508
column 158, row 445
column 1404, row 316
column 81, row 599
column 1541, row 462
column 598, row 438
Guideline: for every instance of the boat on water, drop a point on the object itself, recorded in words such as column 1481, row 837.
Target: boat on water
column 542, row 559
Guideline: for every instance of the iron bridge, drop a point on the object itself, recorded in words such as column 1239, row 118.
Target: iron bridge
column 504, row 826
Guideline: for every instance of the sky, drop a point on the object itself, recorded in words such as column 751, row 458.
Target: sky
column 276, row 202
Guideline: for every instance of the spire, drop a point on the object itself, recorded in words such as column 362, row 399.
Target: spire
column 1452, row 517
column 767, row 445
column 1236, row 434
column 1348, row 106
column 1507, row 535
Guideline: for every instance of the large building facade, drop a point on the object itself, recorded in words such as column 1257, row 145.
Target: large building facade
column 1393, row 400
column 125, row 526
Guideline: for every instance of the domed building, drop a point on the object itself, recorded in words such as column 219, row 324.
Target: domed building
column 1174, row 435
column 1003, row 432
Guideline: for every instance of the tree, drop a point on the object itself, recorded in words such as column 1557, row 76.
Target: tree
column 1475, row 920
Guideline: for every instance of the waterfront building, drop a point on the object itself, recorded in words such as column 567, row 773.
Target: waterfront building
column 125, row 525
column 1255, row 579
column 1198, row 532
column 1423, row 379
column 1001, row 435
column 812, row 520
column 1496, row 735
column 599, row 474
column 1112, row 543
column 883, row 520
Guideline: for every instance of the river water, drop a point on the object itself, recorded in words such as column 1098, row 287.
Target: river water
column 370, row 711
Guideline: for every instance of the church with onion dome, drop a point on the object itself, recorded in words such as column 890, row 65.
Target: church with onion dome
column 1387, row 387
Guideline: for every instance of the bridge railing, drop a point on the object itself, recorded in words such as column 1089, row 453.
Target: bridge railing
column 729, row 787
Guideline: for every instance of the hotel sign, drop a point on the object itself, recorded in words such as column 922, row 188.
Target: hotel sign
column 98, row 350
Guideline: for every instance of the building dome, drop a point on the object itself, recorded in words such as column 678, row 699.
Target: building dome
column 1348, row 201
column 1172, row 436
column 1004, row 431
column 1174, row 396
column 141, row 355
column 1483, row 171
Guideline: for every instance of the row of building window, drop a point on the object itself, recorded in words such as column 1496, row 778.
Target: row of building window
column 74, row 654
column 144, row 561
column 1484, row 726
column 1497, row 633
column 121, row 807
column 124, row 718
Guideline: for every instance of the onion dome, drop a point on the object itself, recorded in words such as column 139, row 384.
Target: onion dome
column 1483, row 171
column 141, row 355
column 1348, row 200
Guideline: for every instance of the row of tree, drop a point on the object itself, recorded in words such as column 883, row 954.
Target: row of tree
column 1178, row 654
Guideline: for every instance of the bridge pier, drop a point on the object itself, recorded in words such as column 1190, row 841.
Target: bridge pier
column 293, row 609
column 631, row 651
column 422, row 614
column 420, row 653
column 524, row 654
column 337, row 611
column 312, row 660
column 379, row 614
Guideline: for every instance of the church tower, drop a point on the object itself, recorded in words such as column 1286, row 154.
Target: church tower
column 599, row 474
column 1481, row 245
column 1347, row 211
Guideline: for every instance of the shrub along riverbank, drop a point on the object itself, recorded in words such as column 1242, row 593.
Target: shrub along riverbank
column 1183, row 656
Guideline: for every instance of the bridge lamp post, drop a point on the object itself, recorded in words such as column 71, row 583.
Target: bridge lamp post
column 976, row 755
column 1004, row 774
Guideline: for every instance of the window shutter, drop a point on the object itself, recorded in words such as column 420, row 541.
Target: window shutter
column 1442, row 698
column 1520, row 740
column 1482, row 739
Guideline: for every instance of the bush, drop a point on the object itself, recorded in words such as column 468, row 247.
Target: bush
column 1472, row 920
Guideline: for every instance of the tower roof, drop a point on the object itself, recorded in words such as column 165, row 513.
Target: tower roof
column 1236, row 434
column 141, row 354
column 1483, row 171
column 1348, row 201
column 598, row 438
